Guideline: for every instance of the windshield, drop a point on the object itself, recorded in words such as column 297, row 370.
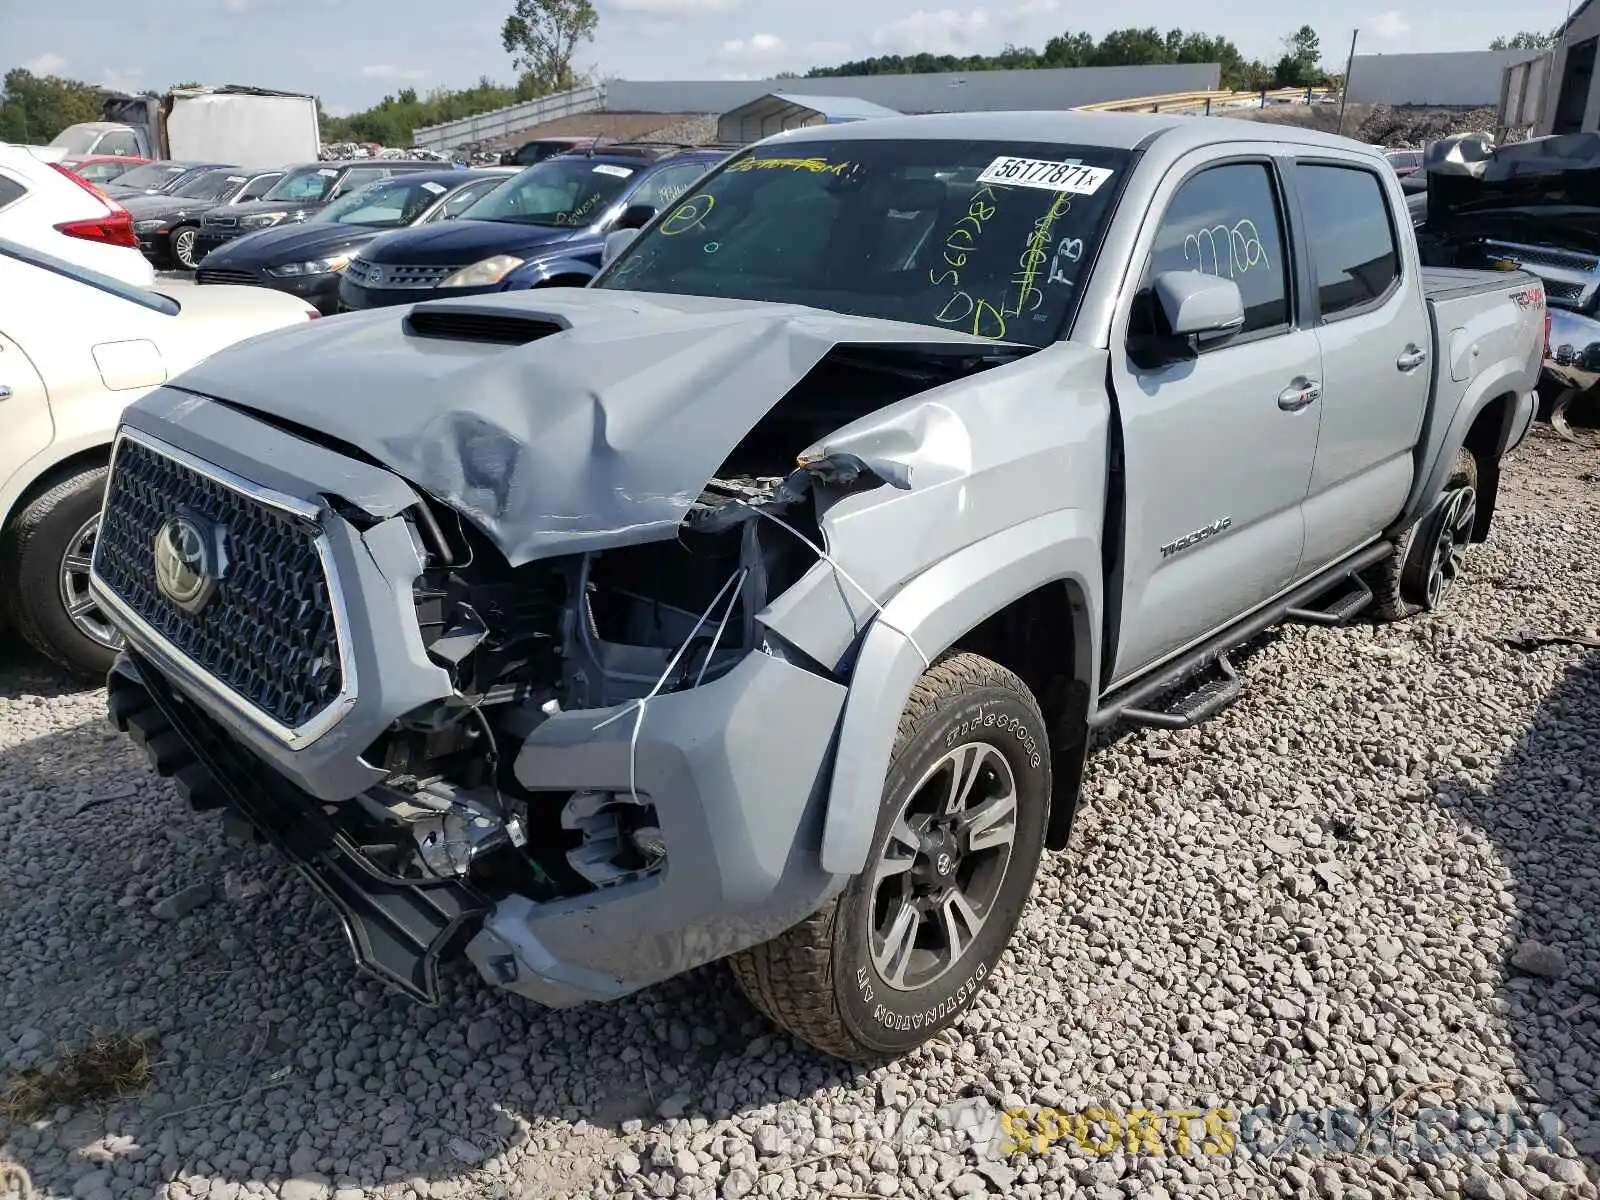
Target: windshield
column 558, row 191
column 75, row 139
column 153, row 176
column 987, row 238
column 208, row 185
column 308, row 183
column 387, row 204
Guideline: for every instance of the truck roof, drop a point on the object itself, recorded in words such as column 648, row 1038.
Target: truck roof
column 1125, row 131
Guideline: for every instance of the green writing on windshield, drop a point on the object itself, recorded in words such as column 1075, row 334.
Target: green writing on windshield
column 814, row 166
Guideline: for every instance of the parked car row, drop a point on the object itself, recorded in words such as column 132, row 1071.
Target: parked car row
column 453, row 232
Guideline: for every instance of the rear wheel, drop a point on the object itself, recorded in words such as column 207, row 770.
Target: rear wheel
column 1431, row 555
column 46, row 597
column 907, row 947
column 185, row 247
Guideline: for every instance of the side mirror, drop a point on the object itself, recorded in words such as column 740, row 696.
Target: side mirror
column 616, row 242
column 1199, row 305
column 636, row 216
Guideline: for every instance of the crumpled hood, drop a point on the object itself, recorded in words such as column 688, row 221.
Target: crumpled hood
column 602, row 434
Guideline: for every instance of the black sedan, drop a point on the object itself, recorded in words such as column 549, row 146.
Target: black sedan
column 158, row 177
column 305, row 258
column 167, row 223
column 302, row 192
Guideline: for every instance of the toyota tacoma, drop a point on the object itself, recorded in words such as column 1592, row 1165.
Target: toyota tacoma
column 757, row 601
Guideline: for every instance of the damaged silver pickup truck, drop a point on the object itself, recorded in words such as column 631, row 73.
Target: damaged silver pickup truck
column 758, row 600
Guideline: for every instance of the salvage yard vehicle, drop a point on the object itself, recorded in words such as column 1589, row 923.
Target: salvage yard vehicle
column 1532, row 206
column 303, row 191
column 45, row 205
column 168, row 223
column 545, row 228
column 757, row 601
column 75, row 346
column 306, row 258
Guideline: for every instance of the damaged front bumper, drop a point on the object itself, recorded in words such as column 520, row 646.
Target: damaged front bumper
column 739, row 798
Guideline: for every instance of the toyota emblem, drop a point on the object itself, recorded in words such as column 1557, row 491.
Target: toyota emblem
column 186, row 563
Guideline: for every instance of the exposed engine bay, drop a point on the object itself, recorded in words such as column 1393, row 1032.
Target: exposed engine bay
column 611, row 627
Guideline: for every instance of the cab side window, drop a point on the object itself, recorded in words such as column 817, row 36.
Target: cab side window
column 260, row 186
column 119, row 142
column 1354, row 257
column 1223, row 221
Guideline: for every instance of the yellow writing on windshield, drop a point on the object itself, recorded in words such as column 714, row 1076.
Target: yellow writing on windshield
column 688, row 215
column 1035, row 254
column 815, row 166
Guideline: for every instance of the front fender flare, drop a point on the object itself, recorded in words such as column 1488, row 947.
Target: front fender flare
column 927, row 617
column 537, row 274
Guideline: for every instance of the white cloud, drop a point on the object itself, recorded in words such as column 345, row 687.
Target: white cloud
column 1387, row 26
column 46, row 64
column 390, row 71
column 763, row 47
column 122, row 79
column 675, row 7
column 236, row 6
column 824, row 52
column 946, row 31
column 1037, row 8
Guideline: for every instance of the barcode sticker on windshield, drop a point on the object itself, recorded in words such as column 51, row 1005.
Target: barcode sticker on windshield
column 235, row 178
column 435, row 188
column 609, row 169
column 1050, row 176
column 328, row 172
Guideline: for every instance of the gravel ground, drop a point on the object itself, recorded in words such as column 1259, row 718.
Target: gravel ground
column 1316, row 900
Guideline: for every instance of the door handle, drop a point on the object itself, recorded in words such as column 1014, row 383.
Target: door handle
column 1299, row 394
column 1411, row 358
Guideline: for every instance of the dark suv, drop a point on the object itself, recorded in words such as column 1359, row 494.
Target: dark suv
column 545, row 226
column 302, row 191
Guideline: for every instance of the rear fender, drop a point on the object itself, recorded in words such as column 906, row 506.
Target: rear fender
column 927, row 617
column 1509, row 376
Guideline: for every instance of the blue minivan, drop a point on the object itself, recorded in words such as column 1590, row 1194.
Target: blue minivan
column 544, row 227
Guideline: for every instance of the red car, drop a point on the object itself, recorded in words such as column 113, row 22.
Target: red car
column 100, row 169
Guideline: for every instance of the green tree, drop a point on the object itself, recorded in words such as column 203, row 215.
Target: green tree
column 1301, row 64
column 34, row 108
column 1527, row 40
column 542, row 36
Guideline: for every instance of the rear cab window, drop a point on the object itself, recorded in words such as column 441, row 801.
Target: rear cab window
column 1224, row 220
column 1355, row 256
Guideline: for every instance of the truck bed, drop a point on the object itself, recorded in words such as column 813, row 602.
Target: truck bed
column 1455, row 283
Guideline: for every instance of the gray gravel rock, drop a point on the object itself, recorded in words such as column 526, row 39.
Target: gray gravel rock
column 1535, row 958
column 1320, row 899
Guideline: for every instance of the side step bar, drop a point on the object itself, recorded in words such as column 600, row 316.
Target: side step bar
column 399, row 929
column 1131, row 702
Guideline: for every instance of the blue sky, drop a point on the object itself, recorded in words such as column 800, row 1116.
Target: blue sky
column 350, row 52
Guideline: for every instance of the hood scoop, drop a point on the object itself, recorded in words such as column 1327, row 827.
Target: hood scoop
column 467, row 324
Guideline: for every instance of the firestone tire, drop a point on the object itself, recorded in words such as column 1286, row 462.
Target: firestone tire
column 1430, row 556
column 912, row 941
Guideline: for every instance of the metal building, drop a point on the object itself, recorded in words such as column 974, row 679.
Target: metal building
column 777, row 111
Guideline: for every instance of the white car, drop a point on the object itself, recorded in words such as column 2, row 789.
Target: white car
column 46, row 206
column 76, row 347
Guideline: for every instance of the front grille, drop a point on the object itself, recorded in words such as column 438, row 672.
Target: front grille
column 1563, row 291
column 268, row 632
column 1544, row 257
column 224, row 275
column 390, row 275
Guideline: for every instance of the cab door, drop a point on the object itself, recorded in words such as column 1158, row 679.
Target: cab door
column 1375, row 335
column 1217, row 450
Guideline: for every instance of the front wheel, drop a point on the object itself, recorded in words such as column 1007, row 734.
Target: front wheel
column 1431, row 555
column 906, row 948
column 46, row 596
column 186, row 247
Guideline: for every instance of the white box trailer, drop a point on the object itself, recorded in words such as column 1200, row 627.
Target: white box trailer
column 252, row 128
